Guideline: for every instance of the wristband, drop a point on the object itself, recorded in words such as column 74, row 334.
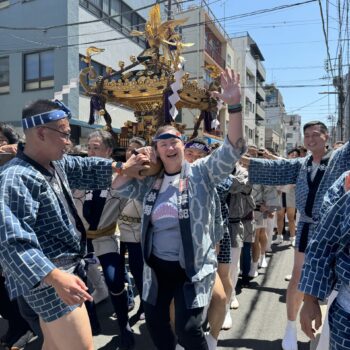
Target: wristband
column 234, row 108
column 118, row 167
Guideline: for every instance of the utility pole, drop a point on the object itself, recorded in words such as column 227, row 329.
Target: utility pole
column 169, row 9
column 341, row 97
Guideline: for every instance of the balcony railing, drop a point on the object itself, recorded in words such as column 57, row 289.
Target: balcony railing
column 260, row 90
column 260, row 113
column 261, row 69
column 214, row 54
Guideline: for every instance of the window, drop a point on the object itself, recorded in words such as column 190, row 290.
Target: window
column 4, row 3
column 289, row 135
column 249, row 106
column 4, row 75
column 38, row 70
column 124, row 18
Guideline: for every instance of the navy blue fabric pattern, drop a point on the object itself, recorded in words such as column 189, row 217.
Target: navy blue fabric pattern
column 34, row 226
column 327, row 257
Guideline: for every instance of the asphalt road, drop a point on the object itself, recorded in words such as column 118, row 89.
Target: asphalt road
column 257, row 324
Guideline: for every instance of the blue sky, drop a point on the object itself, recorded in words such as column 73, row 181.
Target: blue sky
column 293, row 45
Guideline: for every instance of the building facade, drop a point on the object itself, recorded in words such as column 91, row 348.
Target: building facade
column 210, row 48
column 36, row 63
column 292, row 131
column 275, row 114
column 248, row 62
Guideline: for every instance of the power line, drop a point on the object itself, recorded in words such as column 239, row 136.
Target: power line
column 84, row 22
column 309, row 104
column 248, row 14
column 8, row 51
column 325, row 37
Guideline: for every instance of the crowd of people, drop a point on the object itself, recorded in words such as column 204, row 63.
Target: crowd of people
column 188, row 229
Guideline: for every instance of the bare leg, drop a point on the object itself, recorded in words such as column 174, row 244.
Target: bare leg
column 47, row 344
column 256, row 246
column 294, row 300
column 294, row 296
column 217, row 308
column 225, row 275
column 71, row 331
column 256, row 249
column 263, row 244
column 291, row 221
column 262, row 240
column 234, row 270
column 269, row 232
column 235, row 265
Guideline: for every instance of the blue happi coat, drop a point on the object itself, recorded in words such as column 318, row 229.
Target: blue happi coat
column 34, row 225
column 294, row 171
column 327, row 258
column 203, row 176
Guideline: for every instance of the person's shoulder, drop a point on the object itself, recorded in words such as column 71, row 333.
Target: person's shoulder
column 17, row 170
column 15, row 166
column 342, row 152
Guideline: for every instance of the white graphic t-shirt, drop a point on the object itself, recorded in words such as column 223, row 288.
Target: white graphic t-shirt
column 165, row 220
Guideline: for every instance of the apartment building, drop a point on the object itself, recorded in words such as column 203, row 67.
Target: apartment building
column 211, row 47
column 292, row 131
column 248, row 62
column 44, row 56
column 275, row 114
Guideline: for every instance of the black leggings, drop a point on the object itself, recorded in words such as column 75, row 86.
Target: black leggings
column 9, row 310
column 188, row 322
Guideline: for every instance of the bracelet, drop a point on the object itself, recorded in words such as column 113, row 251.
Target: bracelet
column 234, row 108
column 118, row 168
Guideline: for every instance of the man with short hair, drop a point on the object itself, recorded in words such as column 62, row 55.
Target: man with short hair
column 327, row 264
column 313, row 175
column 42, row 239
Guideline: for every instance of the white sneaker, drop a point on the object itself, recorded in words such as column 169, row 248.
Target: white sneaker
column 290, row 340
column 253, row 274
column 253, row 270
column 227, row 322
column 100, row 294
column 263, row 262
column 234, row 303
column 287, row 277
column 292, row 241
column 23, row 341
column 279, row 239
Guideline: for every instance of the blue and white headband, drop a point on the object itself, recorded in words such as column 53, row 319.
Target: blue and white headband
column 168, row 135
column 47, row 117
column 197, row 145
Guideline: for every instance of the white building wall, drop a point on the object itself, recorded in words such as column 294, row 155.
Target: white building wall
column 115, row 51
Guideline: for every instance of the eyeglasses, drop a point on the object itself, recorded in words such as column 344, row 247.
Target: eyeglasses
column 66, row 135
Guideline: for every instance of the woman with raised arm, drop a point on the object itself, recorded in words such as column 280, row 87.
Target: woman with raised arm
column 178, row 227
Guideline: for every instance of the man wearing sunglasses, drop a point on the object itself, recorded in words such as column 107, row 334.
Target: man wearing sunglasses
column 42, row 239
